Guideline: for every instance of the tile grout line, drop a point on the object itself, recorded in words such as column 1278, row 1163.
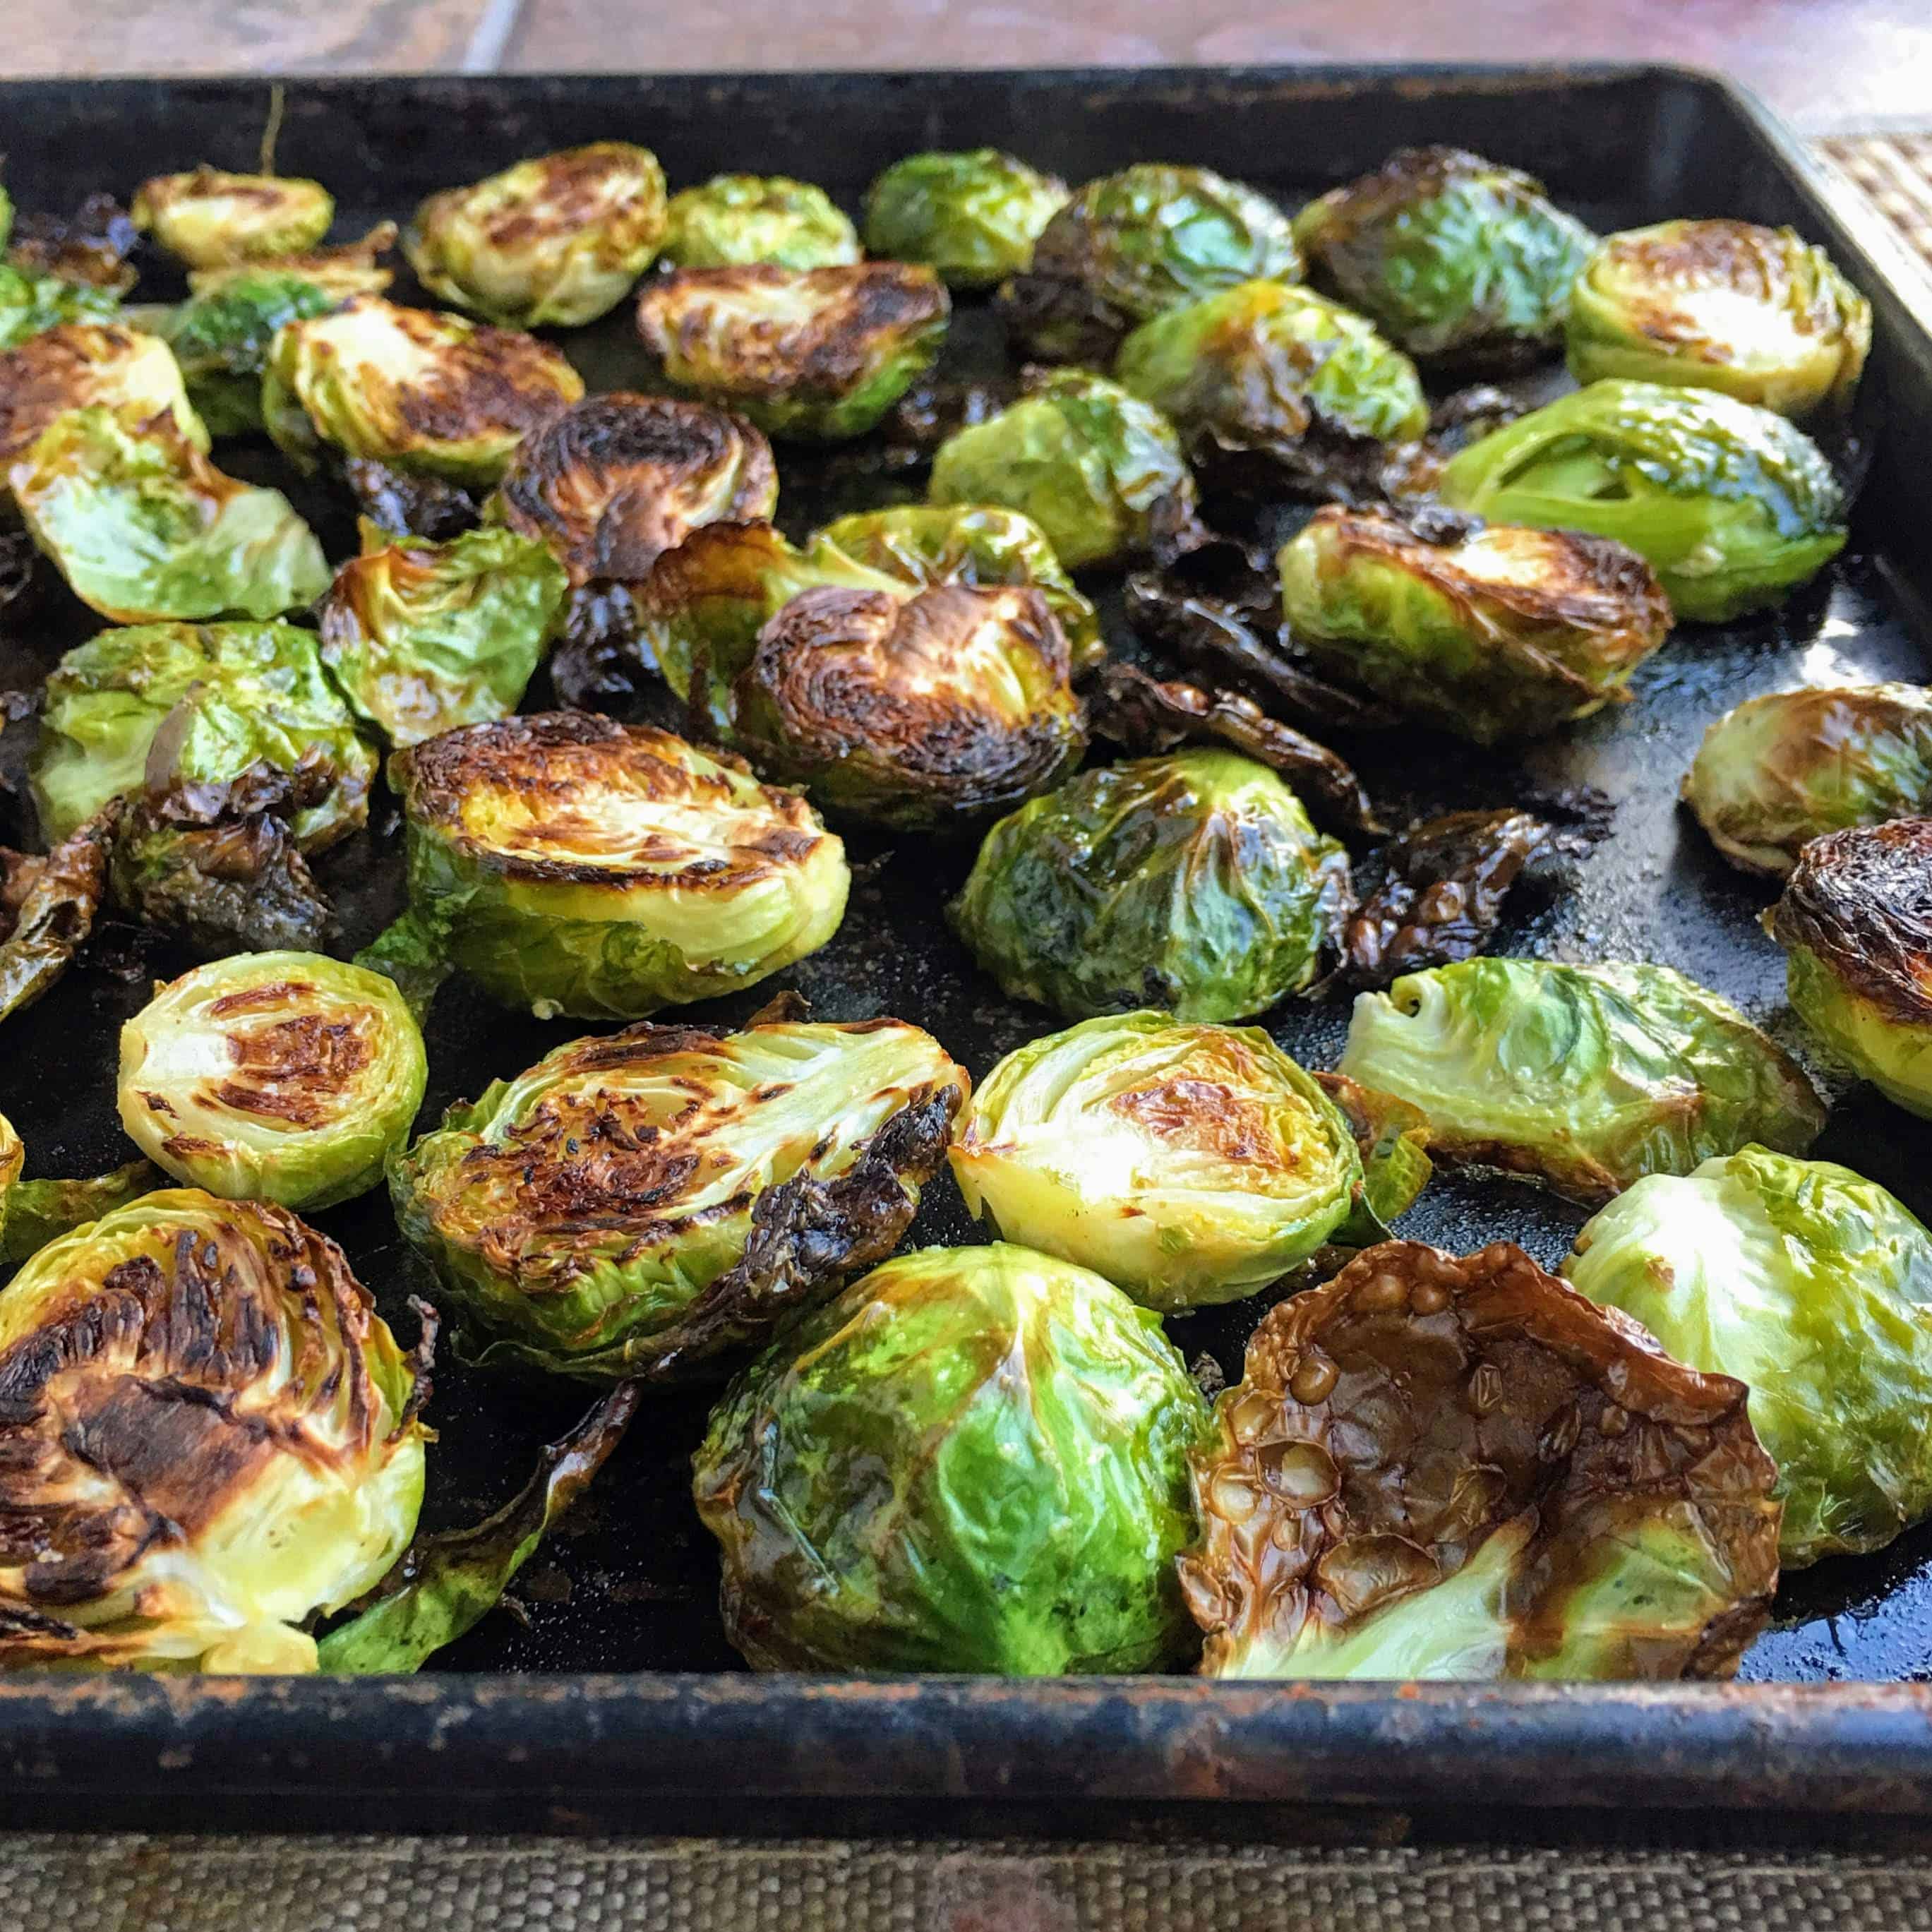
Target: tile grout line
column 490, row 38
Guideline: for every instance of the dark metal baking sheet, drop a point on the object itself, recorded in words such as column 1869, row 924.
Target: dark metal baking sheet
column 627, row 1587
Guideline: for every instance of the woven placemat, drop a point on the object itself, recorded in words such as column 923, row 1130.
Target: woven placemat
column 1894, row 172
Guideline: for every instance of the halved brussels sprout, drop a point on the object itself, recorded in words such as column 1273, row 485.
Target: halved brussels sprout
column 1732, row 505
column 817, row 354
column 615, row 480
column 1455, row 258
column 738, row 218
column 1583, row 1077
column 48, row 906
column 273, row 1076
column 974, row 1459
column 633, row 1204
column 221, row 341
column 1501, row 632
column 572, row 865
column 1437, row 1468
column 1193, row 882
column 423, row 636
column 1777, row 771
column 79, row 365
column 416, row 389
column 211, row 1436
column 974, row 215
column 145, row 529
column 1855, row 923
column 230, row 694
column 1756, row 312
column 555, row 240
column 1130, row 244
column 348, row 269
column 30, row 303
column 1814, row 1285
column 211, row 219
column 1089, row 463
column 1189, row 1165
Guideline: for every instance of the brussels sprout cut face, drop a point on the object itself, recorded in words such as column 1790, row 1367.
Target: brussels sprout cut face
column 1187, row 1164
column 973, row 216
column 1583, row 1077
column 348, row 268
column 556, row 241
column 1444, row 1468
column 252, row 1454
column 1727, row 305
column 739, row 218
column 1505, row 632
column 574, row 866
column 1731, row 505
column 210, row 219
column 30, row 303
column 1855, row 923
column 1814, row 1285
column 79, row 365
column 633, row 1204
column 273, row 1076
column 818, row 354
column 974, row 1459
column 1193, row 882
column 221, row 341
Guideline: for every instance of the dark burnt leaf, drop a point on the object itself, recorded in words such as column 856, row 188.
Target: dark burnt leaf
column 934, row 408
column 410, row 505
column 91, row 245
column 1059, row 318
column 1467, row 415
column 1859, row 903
column 23, row 583
column 47, row 908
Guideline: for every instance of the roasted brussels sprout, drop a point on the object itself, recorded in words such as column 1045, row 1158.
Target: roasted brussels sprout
column 211, row 219
column 815, row 354
column 974, row 216
column 575, row 866
column 1583, row 1077
column 1437, row 1467
column 1780, row 770
column 47, row 907
column 1090, row 464
column 144, row 528
column 30, row 303
column 1755, row 312
column 417, row 390
column 210, row 1436
column 1501, row 632
column 632, row 1205
column 555, row 240
column 974, row 1459
column 221, row 341
column 1193, row 882
column 1855, row 923
column 79, row 365
column 734, row 219
column 229, row 695
column 1456, row 259
column 1731, row 505
column 273, row 1076
column 348, row 268
column 423, row 636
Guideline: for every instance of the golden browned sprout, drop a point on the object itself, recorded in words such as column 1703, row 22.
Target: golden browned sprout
column 211, row 219
column 78, row 364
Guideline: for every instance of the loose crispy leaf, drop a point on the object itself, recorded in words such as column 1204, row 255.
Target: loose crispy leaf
column 47, row 908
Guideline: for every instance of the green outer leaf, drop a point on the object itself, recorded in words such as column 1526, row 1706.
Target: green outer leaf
column 1894, row 1054
column 973, row 216
column 30, row 303
column 221, row 341
column 412, row 951
column 33, row 1213
column 1392, row 1137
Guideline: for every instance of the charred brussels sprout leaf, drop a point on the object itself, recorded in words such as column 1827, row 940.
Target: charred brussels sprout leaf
column 1583, row 1077
column 408, row 504
column 555, row 242
column 30, row 303
column 974, row 216
column 1855, row 923
column 816, row 354
column 221, row 341
column 87, row 249
column 273, row 1076
column 423, row 636
column 1455, row 258
column 1501, row 632
column 1444, row 1468
column 632, row 1205
column 1087, row 461
column 1193, row 882
column 210, row 219
column 1731, row 505
column 252, row 1454
column 348, row 269
column 1755, row 312
column 734, row 219
column 81, row 365
column 47, row 908
column 974, row 1459
column 1780, row 770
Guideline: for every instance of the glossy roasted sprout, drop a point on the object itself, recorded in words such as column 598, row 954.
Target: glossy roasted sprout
column 1193, row 882
column 30, row 302
column 346, row 268
column 974, row 215
column 737, row 218
column 818, row 355
column 974, row 1459
column 1732, row 505
column 1491, row 631
column 79, row 365
column 48, row 906
column 1585, row 1078
column 1460, row 1468
column 288, row 1077
column 1457, row 260
column 1779, row 770
column 221, row 341
column 1756, row 312
column 554, row 241
column 209, row 219
column 634, row 1204
column 1855, row 923
column 1812, row 1284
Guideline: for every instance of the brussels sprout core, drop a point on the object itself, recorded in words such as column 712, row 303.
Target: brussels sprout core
column 79, row 365
column 740, row 218
column 210, row 219
column 973, row 216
